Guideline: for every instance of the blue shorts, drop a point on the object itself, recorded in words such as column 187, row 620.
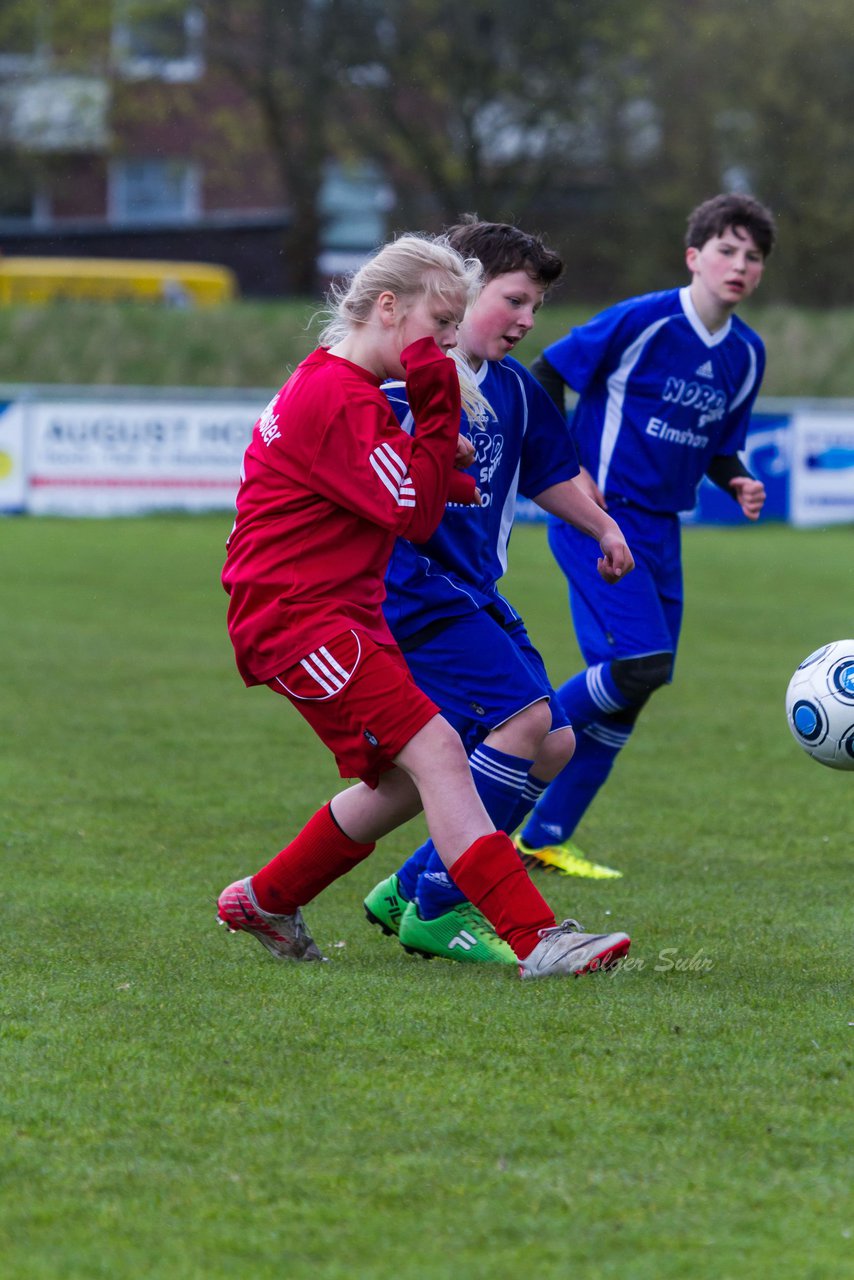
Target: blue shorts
column 639, row 615
column 480, row 673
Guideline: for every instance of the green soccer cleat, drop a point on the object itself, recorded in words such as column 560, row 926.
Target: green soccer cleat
column 385, row 905
column 462, row 934
column 566, row 859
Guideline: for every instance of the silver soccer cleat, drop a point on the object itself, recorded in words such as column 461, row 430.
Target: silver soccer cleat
column 564, row 950
column 285, row 937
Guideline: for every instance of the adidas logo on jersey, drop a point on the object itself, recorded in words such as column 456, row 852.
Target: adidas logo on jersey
column 705, row 370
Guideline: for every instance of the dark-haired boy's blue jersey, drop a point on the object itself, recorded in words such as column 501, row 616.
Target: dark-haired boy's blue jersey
column 525, row 449
column 659, row 396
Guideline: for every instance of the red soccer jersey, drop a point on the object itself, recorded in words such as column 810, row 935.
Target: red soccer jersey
column 329, row 481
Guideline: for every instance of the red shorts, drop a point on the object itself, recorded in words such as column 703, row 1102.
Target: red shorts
column 361, row 701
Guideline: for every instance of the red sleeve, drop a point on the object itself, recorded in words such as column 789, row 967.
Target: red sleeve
column 367, row 464
column 433, row 392
column 462, row 488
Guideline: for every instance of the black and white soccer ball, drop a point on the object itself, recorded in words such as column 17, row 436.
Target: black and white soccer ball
column 820, row 705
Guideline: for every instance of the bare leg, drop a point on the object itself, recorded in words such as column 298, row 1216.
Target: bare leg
column 555, row 751
column 436, row 761
column 367, row 815
column 433, row 773
column 527, row 734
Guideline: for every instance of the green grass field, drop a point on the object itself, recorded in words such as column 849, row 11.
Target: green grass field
column 255, row 344
column 177, row 1105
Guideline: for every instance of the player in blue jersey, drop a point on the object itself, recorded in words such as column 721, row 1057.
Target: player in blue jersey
column 666, row 384
column 465, row 644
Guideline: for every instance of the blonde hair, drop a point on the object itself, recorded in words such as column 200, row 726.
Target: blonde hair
column 475, row 404
column 411, row 267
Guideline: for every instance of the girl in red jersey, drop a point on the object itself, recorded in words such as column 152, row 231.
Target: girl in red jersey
column 329, row 481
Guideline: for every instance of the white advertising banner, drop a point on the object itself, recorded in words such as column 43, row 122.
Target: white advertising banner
column 72, row 451
column 13, row 470
column 822, row 467
column 126, row 456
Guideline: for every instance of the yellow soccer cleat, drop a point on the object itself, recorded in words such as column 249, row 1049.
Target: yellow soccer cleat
column 566, row 859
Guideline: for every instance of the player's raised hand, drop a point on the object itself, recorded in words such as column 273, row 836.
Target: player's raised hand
column 616, row 559
column 749, row 494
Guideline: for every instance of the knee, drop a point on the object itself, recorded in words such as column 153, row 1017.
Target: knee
column 556, row 751
column 638, row 678
column 435, row 747
column 523, row 734
column 446, row 742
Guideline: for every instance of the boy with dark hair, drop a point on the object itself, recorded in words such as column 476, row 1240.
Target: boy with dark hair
column 666, row 386
column 465, row 645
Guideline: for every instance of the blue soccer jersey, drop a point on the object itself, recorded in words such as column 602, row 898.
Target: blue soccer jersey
column 524, row 449
column 659, row 396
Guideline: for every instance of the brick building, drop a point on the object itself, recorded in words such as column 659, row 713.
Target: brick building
column 140, row 149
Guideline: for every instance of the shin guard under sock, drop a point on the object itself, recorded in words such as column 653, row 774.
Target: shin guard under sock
column 491, row 875
column 320, row 854
column 499, row 779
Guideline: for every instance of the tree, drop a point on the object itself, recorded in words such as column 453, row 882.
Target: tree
column 291, row 61
column 797, row 144
column 475, row 104
column 602, row 122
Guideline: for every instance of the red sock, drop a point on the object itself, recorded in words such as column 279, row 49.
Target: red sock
column 320, row 854
column 491, row 875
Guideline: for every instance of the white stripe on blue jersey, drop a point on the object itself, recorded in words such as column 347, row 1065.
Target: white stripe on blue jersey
column 659, row 396
column 616, row 398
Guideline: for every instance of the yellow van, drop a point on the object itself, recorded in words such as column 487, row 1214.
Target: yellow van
column 45, row 280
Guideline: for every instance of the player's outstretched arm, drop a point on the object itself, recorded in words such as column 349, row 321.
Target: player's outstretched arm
column 569, row 502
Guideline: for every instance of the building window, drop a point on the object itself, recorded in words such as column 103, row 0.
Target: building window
column 353, row 204
column 162, row 41
column 153, row 191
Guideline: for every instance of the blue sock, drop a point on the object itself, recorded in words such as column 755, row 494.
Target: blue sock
column 407, row 876
column 531, row 793
column 500, row 780
column 568, row 797
column 590, row 694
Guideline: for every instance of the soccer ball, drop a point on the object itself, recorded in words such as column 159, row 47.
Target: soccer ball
column 820, row 705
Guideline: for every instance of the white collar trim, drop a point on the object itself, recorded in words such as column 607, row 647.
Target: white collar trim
column 709, row 339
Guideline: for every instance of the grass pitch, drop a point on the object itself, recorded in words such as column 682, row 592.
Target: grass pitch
column 175, row 1104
